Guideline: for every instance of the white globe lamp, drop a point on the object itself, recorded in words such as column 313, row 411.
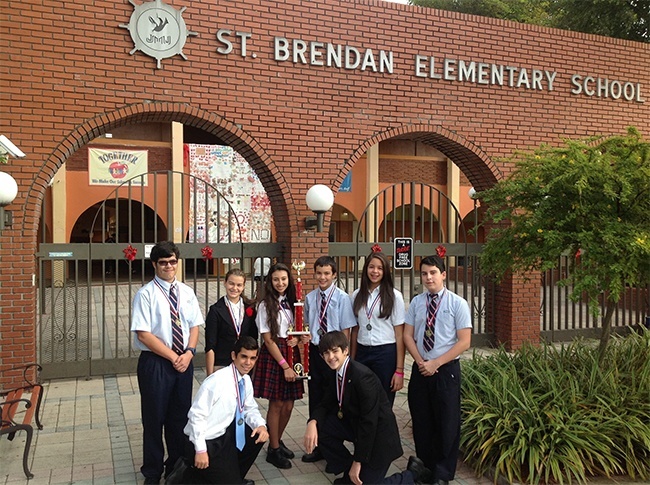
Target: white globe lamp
column 320, row 199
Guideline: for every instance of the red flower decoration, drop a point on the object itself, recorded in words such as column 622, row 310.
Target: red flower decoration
column 441, row 251
column 249, row 311
column 376, row 248
column 207, row 253
column 130, row 252
column 578, row 254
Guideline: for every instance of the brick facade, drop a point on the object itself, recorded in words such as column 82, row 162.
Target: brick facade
column 68, row 77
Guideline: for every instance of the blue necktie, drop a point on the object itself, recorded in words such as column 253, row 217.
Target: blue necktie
column 240, row 428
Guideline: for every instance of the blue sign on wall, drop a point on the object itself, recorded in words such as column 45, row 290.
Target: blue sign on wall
column 346, row 186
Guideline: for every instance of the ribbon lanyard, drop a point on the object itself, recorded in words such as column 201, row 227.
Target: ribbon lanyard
column 240, row 398
column 431, row 319
column 287, row 313
column 236, row 320
column 322, row 314
column 175, row 311
column 340, row 388
column 370, row 310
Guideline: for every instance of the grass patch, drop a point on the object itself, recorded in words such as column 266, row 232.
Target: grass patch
column 547, row 414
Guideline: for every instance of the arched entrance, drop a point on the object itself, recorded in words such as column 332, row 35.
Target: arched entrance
column 426, row 215
column 86, row 288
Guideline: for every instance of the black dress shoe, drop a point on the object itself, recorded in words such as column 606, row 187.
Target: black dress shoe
column 421, row 474
column 277, row 459
column 286, row 451
column 344, row 480
column 313, row 457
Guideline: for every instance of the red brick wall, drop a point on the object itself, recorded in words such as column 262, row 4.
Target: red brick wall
column 67, row 77
column 397, row 171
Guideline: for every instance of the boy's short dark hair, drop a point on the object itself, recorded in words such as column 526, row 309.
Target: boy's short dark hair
column 326, row 261
column 333, row 340
column 436, row 261
column 164, row 249
column 246, row 342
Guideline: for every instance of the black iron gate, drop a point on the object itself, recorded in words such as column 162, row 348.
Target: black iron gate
column 85, row 289
column 430, row 218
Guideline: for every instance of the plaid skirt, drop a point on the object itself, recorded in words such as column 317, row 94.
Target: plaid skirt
column 269, row 383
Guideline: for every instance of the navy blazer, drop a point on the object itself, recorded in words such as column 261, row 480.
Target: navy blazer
column 220, row 334
column 367, row 411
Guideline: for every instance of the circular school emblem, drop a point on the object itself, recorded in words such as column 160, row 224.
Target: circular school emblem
column 158, row 30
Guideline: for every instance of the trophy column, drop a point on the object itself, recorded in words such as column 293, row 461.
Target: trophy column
column 300, row 368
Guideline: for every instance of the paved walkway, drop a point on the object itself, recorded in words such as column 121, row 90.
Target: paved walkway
column 92, row 435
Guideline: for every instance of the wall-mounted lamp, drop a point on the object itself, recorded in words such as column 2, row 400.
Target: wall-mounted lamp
column 8, row 192
column 8, row 185
column 320, row 199
column 311, row 223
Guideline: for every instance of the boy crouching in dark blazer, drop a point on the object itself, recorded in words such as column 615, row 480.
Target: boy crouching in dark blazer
column 355, row 408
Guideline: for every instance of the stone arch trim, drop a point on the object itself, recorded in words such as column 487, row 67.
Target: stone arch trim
column 479, row 168
column 268, row 172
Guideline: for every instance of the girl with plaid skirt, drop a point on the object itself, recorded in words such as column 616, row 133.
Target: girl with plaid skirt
column 274, row 379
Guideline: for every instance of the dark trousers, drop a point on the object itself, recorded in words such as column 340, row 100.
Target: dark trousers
column 332, row 435
column 165, row 399
column 434, row 403
column 319, row 372
column 382, row 360
column 227, row 464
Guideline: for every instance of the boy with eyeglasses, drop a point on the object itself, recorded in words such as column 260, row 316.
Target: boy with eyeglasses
column 165, row 321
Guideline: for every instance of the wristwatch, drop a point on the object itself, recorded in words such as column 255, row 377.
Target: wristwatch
column 191, row 349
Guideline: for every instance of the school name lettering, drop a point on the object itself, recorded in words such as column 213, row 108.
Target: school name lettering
column 339, row 56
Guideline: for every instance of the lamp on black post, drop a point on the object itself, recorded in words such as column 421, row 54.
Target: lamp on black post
column 320, row 199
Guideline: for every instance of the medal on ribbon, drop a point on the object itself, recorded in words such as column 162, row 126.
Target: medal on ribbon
column 370, row 310
column 340, row 389
column 238, row 316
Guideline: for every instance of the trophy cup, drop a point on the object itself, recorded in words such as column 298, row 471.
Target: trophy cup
column 300, row 368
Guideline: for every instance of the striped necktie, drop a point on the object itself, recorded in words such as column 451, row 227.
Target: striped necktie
column 323, row 313
column 177, row 330
column 430, row 327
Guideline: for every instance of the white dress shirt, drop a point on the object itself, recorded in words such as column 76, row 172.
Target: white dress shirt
column 381, row 331
column 339, row 311
column 215, row 405
column 452, row 315
column 151, row 312
column 285, row 316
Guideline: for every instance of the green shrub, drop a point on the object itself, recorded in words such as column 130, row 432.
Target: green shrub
column 555, row 414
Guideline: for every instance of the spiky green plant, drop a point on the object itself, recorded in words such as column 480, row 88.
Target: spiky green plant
column 554, row 414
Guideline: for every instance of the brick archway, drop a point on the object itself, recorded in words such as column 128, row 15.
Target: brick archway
column 479, row 168
column 271, row 177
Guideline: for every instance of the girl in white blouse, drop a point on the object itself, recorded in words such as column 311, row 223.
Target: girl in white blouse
column 377, row 339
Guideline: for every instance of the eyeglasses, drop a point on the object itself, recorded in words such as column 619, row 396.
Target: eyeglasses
column 168, row 262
